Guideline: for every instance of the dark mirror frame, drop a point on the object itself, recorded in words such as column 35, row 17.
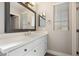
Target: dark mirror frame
column 39, row 16
column 7, row 18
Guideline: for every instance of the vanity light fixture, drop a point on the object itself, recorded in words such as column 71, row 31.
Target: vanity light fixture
column 29, row 3
column 43, row 14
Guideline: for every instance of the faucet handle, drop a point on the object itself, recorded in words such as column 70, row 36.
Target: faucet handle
column 29, row 32
column 25, row 34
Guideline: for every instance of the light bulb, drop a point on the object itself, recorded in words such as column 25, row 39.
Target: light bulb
column 33, row 3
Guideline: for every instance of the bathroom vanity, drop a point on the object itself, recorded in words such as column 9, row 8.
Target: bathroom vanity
column 16, row 40
column 24, row 44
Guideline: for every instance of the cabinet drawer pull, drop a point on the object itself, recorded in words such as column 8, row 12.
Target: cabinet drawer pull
column 34, row 50
column 25, row 50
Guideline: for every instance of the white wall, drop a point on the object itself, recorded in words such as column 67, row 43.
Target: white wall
column 2, row 17
column 59, row 41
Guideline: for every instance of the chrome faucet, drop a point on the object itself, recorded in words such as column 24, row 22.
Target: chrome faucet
column 28, row 33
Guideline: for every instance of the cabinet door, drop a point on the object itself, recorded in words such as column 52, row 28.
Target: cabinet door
column 43, row 45
column 34, row 52
column 40, row 48
column 31, row 53
column 21, row 50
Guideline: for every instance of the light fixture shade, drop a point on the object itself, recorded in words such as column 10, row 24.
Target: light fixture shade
column 43, row 13
column 33, row 3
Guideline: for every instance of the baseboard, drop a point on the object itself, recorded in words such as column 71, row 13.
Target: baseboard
column 57, row 53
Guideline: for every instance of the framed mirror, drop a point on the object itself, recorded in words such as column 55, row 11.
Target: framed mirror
column 42, row 21
column 19, row 17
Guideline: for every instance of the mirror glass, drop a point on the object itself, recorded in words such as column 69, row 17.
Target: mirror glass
column 21, row 18
column 42, row 21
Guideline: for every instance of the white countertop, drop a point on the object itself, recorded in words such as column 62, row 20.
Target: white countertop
column 9, row 44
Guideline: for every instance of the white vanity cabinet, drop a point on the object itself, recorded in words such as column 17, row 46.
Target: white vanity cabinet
column 36, row 47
